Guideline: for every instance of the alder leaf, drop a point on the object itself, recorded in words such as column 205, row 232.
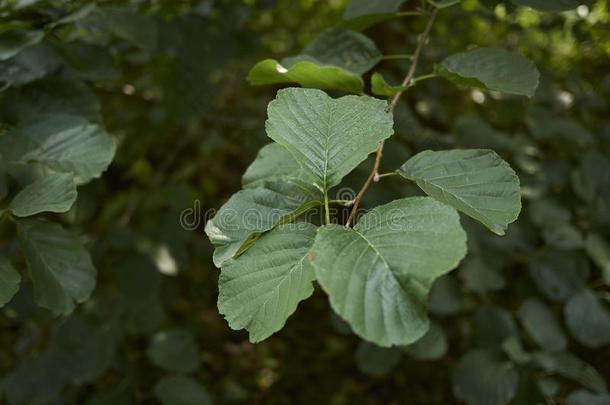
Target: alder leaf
column 174, row 350
column 340, row 47
column 250, row 212
column 379, row 273
column 178, row 389
column 260, row 289
column 274, row 163
column 361, row 14
column 59, row 265
column 475, row 181
column 61, row 143
column 335, row 59
column 569, row 366
column 380, row 87
column 14, row 40
column 53, row 193
column 588, row 319
column 306, row 73
column 328, row 137
column 9, row 281
column 492, row 69
column 542, row 326
column 485, row 377
column 599, row 251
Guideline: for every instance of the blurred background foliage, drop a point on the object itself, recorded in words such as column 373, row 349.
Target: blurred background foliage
column 167, row 80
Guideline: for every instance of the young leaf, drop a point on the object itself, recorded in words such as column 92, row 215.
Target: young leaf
column 380, row 87
column 53, row 193
column 361, row 14
column 484, row 377
column 305, row 73
column 182, row 390
column 548, row 5
column 62, row 143
column 9, row 281
column 492, row 69
column 174, row 350
column 250, row 212
column 542, row 326
column 379, row 273
column 475, row 181
column 262, row 288
column 588, row 319
column 13, row 41
column 59, row 265
column 328, row 137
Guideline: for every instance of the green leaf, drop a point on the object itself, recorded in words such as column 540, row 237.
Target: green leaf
column 53, row 193
column 181, row 390
column 380, row 87
column 480, row 277
column 542, row 326
column 514, row 350
column 582, row 397
column 346, row 49
column 53, row 96
column 274, row 163
column 588, row 319
column 445, row 298
column 569, row 366
column 475, row 181
column 599, row 251
column 494, row 326
column 559, row 274
column 59, row 265
column 492, row 69
column 379, row 273
column 250, row 212
column 432, row 346
column 61, row 143
column 13, row 41
column 260, row 289
column 124, row 23
column 484, row 377
column 443, row 3
column 9, row 281
column 376, row 361
column 307, row 74
column 89, row 62
column 174, row 350
column 30, row 64
column 548, row 5
column 328, row 137
column 361, row 14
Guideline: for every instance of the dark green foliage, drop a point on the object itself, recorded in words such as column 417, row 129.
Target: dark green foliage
column 126, row 125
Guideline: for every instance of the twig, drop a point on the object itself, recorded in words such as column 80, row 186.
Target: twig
column 405, row 83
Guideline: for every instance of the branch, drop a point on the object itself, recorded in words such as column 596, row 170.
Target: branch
column 374, row 176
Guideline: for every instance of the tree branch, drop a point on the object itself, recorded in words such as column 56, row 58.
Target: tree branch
column 374, row 176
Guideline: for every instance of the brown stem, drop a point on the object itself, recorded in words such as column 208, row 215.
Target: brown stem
column 407, row 80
